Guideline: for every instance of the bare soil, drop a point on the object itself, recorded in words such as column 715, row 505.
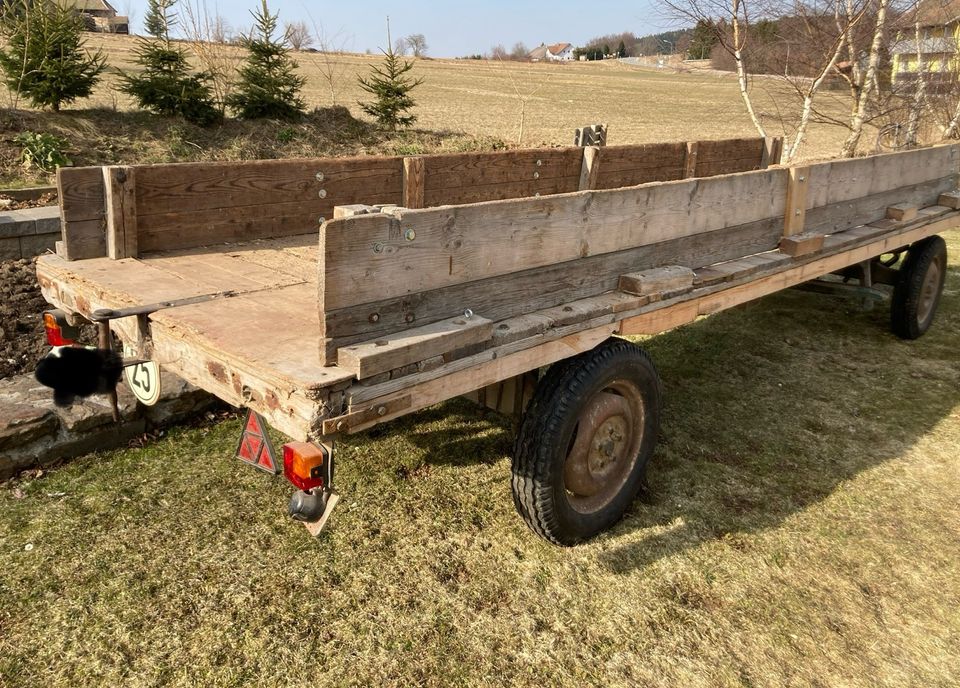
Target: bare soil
column 22, row 340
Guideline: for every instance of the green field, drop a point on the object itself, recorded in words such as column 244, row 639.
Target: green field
column 800, row 529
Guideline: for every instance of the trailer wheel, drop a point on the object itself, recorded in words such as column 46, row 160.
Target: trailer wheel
column 584, row 442
column 916, row 294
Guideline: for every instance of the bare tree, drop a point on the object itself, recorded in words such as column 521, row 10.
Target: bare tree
column 417, row 43
column 859, row 114
column 498, row 52
column 720, row 14
column 332, row 70
column 298, row 34
column 209, row 36
column 524, row 94
column 400, row 46
column 519, row 51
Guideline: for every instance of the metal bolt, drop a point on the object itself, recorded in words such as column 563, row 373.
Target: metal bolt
column 536, row 195
column 381, row 410
column 409, row 317
column 410, row 235
column 320, row 176
column 374, row 317
column 803, row 179
column 378, row 247
column 539, row 163
column 322, row 193
column 797, row 212
column 341, row 425
column 322, row 220
column 536, row 175
column 467, row 313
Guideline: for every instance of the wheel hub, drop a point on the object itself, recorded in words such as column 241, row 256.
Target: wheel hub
column 928, row 292
column 607, row 443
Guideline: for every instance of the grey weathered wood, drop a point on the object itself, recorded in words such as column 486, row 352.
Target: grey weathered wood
column 414, row 174
column 950, row 199
column 467, row 243
column 121, row 216
column 796, row 205
column 690, row 162
column 82, row 211
column 902, row 212
column 416, row 344
column 656, row 280
column 801, row 244
column 504, row 297
column 590, row 171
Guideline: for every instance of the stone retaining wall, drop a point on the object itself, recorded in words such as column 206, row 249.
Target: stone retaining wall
column 35, row 433
column 28, row 233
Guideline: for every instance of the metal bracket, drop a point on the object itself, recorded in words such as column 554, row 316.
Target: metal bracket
column 106, row 314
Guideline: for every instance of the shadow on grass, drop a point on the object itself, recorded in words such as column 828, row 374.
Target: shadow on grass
column 769, row 407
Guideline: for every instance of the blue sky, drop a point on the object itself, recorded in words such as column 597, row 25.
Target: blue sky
column 451, row 29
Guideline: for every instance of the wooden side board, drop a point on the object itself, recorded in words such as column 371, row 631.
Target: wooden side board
column 381, row 273
column 179, row 206
column 82, row 212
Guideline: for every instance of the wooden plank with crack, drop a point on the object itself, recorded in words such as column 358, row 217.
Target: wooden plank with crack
column 413, row 345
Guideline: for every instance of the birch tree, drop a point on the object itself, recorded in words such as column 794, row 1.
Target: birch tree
column 859, row 114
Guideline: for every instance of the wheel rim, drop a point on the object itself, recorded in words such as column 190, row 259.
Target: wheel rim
column 929, row 291
column 605, row 446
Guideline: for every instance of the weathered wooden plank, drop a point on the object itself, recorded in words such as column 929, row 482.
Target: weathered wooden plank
column 82, row 211
column 801, row 244
column 121, row 217
column 504, row 297
column 845, row 180
column 950, row 199
column 796, row 206
column 189, row 187
column 656, row 280
column 902, row 212
column 691, row 159
column 845, row 214
column 455, row 245
column 414, row 176
column 730, row 149
column 590, row 170
column 416, row 344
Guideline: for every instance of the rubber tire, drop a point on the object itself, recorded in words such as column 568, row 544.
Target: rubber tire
column 545, row 432
column 907, row 291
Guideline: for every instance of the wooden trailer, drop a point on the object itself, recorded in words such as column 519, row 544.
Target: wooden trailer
column 331, row 295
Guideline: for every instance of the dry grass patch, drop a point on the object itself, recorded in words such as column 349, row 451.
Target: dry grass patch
column 800, row 529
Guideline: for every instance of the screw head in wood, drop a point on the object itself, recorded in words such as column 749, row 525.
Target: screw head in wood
column 322, row 193
column 374, row 317
column 320, row 176
column 802, row 178
column 536, row 175
column 409, row 317
column 467, row 313
column 321, row 220
column 797, row 212
column 381, row 410
column 539, row 163
column 378, row 247
column 410, row 235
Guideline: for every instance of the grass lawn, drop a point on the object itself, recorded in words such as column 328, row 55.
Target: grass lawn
column 801, row 529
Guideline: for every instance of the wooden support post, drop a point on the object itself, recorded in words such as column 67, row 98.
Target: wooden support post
column 120, row 197
column 690, row 163
column 414, row 177
column 796, row 201
column 590, row 170
column 772, row 151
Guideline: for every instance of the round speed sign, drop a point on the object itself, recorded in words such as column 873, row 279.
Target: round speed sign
column 144, row 381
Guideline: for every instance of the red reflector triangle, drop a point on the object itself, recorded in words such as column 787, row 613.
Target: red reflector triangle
column 255, row 447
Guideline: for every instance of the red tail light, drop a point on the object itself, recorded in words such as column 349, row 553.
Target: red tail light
column 59, row 333
column 305, row 464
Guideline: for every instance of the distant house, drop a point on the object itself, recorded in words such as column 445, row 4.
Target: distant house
column 99, row 15
column 935, row 54
column 558, row 52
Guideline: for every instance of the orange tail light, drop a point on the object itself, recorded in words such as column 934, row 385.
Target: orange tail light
column 305, row 464
column 59, row 333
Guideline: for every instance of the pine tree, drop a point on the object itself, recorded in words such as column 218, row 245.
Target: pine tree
column 44, row 58
column 166, row 86
column 269, row 85
column 622, row 50
column 391, row 90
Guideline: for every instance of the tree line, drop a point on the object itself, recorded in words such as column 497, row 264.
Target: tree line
column 45, row 61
